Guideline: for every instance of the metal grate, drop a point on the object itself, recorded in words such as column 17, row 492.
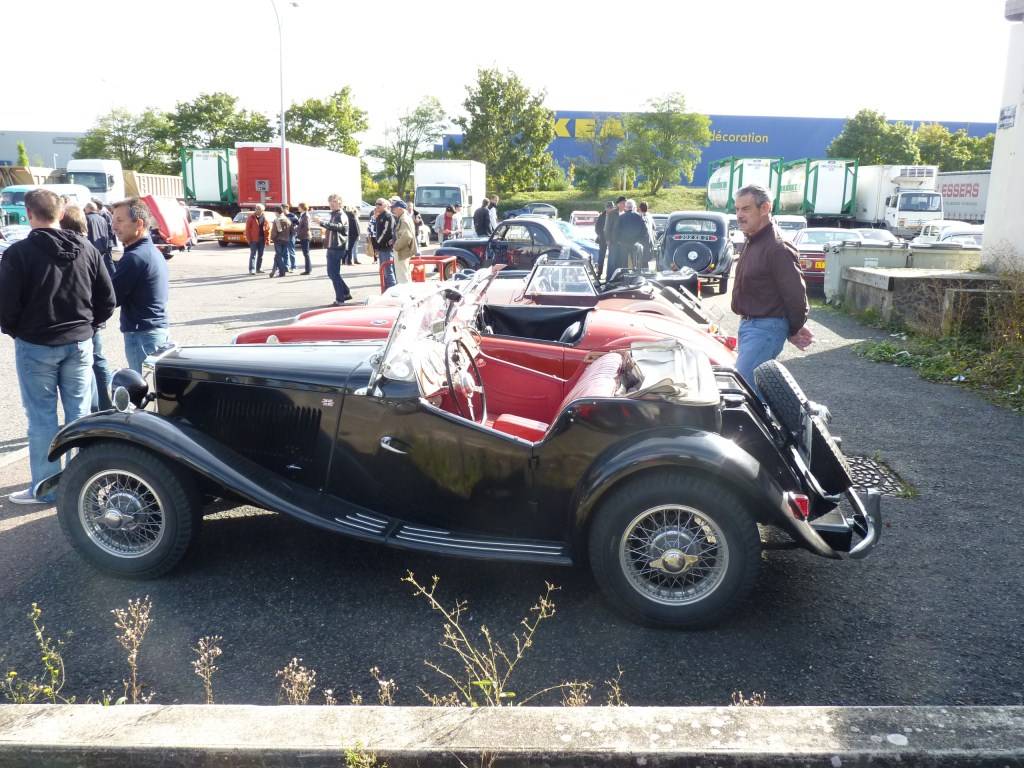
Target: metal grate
column 868, row 473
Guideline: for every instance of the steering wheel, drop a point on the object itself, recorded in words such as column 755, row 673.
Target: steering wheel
column 464, row 380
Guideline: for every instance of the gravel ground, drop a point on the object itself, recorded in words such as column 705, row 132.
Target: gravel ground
column 932, row 617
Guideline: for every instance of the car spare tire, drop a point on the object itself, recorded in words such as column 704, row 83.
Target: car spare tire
column 693, row 254
column 783, row 395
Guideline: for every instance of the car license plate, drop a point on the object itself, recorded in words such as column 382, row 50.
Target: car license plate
column 233, row 237
column 819, row 265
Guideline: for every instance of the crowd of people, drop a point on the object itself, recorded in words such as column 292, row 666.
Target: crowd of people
column 58, row 287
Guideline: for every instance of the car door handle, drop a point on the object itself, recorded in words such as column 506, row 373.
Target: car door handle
column 388, row 443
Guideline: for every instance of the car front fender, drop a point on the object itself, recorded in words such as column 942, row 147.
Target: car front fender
column 470, row 258
column 194, row 450
column 707, row 453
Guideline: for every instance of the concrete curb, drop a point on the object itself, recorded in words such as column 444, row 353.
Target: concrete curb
column 242, row 736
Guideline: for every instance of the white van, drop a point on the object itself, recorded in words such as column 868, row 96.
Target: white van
column 931, row 231
column 789, row 224
column 104, row 178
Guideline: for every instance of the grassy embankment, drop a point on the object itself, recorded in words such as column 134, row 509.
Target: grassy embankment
column 666, row 201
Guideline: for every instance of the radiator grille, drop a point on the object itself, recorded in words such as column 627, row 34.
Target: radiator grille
column 265, row 430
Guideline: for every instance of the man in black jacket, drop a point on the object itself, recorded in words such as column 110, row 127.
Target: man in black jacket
column 482, row 219
column 54, row 291
column 337, row 247
column 383, row 239
column 602, row 239
column 99, row 234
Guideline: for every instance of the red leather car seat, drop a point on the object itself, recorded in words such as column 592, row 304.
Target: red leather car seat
column 599, row 379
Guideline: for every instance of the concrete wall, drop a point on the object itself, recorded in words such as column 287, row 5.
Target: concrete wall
column 41, row 146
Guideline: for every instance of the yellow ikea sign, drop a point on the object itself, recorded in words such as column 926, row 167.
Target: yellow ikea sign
column 588, row 128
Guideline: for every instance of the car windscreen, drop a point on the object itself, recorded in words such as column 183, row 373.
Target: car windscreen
column 827, row 236
column 698, row 226
column 437, row 197
column 921, row 201
column 96, row 181
column 964, row 238
column 240, row 218
column 791, row 226
column 572, row 231
column 560, row 278
column 13, row 197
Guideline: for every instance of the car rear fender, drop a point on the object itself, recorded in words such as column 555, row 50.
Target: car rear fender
column 471, row 259
column 197, row 452
column 692, row 451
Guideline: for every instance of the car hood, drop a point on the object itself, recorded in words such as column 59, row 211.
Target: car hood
column 335, row 366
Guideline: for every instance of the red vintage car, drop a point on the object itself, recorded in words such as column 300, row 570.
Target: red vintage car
column 555, row 340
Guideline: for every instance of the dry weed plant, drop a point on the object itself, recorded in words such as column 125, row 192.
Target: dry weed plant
column 329, row 700
column 357, row 757
column 297, row 683
column 576, row 693
column 207, row 651
column 355, row 698
column 385, row 688
column 614, row 697
column 487, row 668
column 755, row 700
column 132, row 624
column 48, row 686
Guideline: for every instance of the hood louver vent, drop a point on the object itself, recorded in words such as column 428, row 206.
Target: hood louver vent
column 265, row 430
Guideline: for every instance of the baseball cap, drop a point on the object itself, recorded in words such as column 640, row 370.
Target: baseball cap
column 399, row 204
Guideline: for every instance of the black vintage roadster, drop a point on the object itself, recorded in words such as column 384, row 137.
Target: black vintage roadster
column 649, row 464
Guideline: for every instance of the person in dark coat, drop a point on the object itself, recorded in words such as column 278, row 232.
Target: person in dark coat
column 353, row 235
column 302, row 235
column 602, row 239
column 482, row 219
column 98, row 233
column 632, row 238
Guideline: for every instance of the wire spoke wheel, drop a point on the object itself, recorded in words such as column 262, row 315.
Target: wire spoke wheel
column 121, row 514
column 673, row 555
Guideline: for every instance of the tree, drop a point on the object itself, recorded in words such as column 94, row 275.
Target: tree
column 938, row 146
column 214, row 120
column 331, row 122
column 666, row 142
column 22, row 154
column 412, row 139
column 869, row 139
column 599, row 171
column 139, row 142
column 981, row 152
column 507, row 127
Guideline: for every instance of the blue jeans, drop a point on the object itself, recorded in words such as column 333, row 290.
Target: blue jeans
column 280, row 258
column 760, row 339
column 43, row 372
column 305, row 253
column 256, row 255
column 387, row 268
column 138, row 345
column 101, row 372
column 334, row 259
column 291, row 253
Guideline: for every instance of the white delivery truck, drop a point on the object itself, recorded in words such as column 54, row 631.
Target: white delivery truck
column 821, row 190
column 964, row 194
column 104, row 178
column 440, row 183
column 900, row 198
column 730, row 174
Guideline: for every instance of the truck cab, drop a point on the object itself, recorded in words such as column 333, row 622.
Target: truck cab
column 12, row 198
column 103, row 178
column 907, row 211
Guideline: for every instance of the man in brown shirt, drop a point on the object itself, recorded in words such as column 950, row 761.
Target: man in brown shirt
column 768, row 291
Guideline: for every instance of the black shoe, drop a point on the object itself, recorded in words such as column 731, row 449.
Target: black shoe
column 307, row 272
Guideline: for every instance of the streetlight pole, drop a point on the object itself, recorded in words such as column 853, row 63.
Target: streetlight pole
column 280, row 53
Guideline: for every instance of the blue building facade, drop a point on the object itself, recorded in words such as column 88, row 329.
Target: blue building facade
column 790, row 138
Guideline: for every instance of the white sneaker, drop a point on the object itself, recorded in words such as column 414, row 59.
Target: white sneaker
column 24, row 497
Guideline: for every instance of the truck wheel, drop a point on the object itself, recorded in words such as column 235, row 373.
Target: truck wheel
column 783, row 395
column 127, row 511
column 674, row 549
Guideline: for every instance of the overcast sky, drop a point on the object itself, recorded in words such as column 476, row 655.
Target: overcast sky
column 913, row 59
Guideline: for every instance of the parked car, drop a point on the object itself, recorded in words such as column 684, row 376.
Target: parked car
column 650, row 465
column 206, row 222
column 878, row 236
column 516, row 242
column 700, row 241
column 812, row 243
column 789, row 224
column 585, row 221
column 234, row 232
column 542, row 209
column 736, row 236
column 967, row 234
column 551, row 339
column 931, row 231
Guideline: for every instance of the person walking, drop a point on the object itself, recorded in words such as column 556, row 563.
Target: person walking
column 141, row 284
column 281, row 235
column 337, row 247
column 405, row 240
column 353, row 235
column 383, row 239
column 652, row 235
column 54, row 291
column 631, row 239
column 371, row 226
column 444, row 224
column 98, row 233
column 257, row 233
column 482, row 219
column 302, row 235
column 74, row 220
column 611, row 223
column 602, row 239
column 768, row 292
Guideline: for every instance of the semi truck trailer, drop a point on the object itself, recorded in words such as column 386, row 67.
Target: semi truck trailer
column 730, row 174
column 964, row 194
column 312, row 174
column 820, row 190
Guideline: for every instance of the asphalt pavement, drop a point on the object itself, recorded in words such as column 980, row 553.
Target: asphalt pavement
column 933, row 616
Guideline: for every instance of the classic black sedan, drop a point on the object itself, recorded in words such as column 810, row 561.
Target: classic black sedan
column 700, row 241
column 516, row 242
column 648, row 464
